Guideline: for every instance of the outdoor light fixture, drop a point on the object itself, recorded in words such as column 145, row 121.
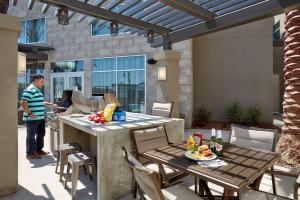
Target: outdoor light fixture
column 162, row 73
column 21, row 63
column 114, row 28
column 150, row 36
column 63, row 15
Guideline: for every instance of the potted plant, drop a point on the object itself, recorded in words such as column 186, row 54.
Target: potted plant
column 234, row 113
column 202, row 116
column 254, row 115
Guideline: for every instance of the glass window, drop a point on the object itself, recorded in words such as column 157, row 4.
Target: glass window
column 67, row 66
column 33, row 31
column 100, row 27
column 123, row 76
column 276, row 31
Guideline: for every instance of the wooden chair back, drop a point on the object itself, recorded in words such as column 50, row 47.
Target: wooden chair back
column 149, row 138
column 111, row 98
column 146, row 179
column 162, row 109
column 258, row 138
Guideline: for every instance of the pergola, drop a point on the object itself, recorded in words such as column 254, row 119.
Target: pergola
column 170, row 20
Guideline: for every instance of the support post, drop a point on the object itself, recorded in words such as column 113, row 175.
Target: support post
column 168, row 90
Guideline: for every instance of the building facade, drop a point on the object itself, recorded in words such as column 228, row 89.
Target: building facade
column 89, row 59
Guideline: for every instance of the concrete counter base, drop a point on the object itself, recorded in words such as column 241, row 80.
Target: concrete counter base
column 114, row 176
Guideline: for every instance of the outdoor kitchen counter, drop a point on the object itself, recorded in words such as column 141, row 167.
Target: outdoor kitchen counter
column 113, row 175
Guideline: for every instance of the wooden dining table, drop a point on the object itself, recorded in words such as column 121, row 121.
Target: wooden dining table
column 244, row 167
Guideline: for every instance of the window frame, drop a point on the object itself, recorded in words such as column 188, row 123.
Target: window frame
column 45, row 30
column 116, row 73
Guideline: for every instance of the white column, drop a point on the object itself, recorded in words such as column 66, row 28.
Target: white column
column 168, row 90
column 9, row 32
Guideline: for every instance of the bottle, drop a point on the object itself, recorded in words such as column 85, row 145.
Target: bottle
column 219, row 144
column 213, row 140
column 122, row 114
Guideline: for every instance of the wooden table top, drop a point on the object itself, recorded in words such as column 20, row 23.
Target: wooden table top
column 243, row 165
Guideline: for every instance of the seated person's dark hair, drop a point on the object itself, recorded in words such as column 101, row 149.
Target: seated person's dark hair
column 37, row 77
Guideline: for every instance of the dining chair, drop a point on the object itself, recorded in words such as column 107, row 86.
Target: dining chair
column 151, row 138
column 149, row 186
column 250, row 194
column 263, row 139
column 162, row 109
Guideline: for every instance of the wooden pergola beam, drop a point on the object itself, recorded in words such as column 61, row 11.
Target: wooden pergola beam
column 98, row 3
column 256, row 12
column 30, row 4
column 87, row 9
column 190, row 8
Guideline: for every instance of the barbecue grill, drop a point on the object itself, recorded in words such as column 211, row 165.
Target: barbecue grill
column 52, row 118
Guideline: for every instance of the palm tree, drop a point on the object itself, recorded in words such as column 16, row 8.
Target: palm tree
column 289, row 143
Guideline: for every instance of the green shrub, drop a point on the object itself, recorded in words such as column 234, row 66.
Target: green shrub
column 234, row 113
column 202, row 115
column 254, row 114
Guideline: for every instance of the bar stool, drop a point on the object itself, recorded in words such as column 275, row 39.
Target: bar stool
column 63, row 151
column 75, row 161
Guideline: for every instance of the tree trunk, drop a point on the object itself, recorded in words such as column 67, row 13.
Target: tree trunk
column 4, row 6
column 289, row 143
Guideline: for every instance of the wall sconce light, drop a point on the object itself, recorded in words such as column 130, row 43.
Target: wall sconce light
column 63, row 15
column 21, row 63
column 162, row 73
column 114, row 28
column 150, row 36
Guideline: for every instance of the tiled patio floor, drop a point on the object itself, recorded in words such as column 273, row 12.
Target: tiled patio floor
column 39, row 182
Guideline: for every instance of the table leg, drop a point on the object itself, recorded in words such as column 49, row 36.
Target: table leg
column 204, row 187
column 256, row 183
column 228, row 193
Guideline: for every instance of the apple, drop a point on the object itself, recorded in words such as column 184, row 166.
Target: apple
column 96, row 119
column 92, row 116
column 102, row 121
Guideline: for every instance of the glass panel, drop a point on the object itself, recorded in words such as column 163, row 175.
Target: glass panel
column 131, row 62
column 33, row 69
column 35, row 30
column 131, row 90
column 21, row 87
column 67, row 66
column 58, row 88
column 75, row 83
column 104, row 64
column 98, row 29
column 22, row 38
column 103, row 82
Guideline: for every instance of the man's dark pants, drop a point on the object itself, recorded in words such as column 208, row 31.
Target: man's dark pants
column 35, row 136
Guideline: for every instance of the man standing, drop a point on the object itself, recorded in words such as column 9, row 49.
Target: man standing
column 33, row 104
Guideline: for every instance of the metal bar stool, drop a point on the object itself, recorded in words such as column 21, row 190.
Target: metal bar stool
column 63, row 151
column 76, row 160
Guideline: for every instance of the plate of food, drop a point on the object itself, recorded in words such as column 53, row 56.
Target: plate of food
column 202, row 153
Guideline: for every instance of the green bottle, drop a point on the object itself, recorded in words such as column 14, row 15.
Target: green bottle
column 219, row 144
column 213, row 140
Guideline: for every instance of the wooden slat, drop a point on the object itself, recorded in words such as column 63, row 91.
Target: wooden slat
column 45, row 8
column 30, row 4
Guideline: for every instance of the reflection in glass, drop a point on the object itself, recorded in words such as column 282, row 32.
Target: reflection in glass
column 58, row 88
column 131, row 90
column 131, row 62
column 67, row 66
column 103, row 82
column 32, row 31
column 75, row 83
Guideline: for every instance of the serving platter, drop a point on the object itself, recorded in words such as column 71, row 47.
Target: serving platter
column 191, row 155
